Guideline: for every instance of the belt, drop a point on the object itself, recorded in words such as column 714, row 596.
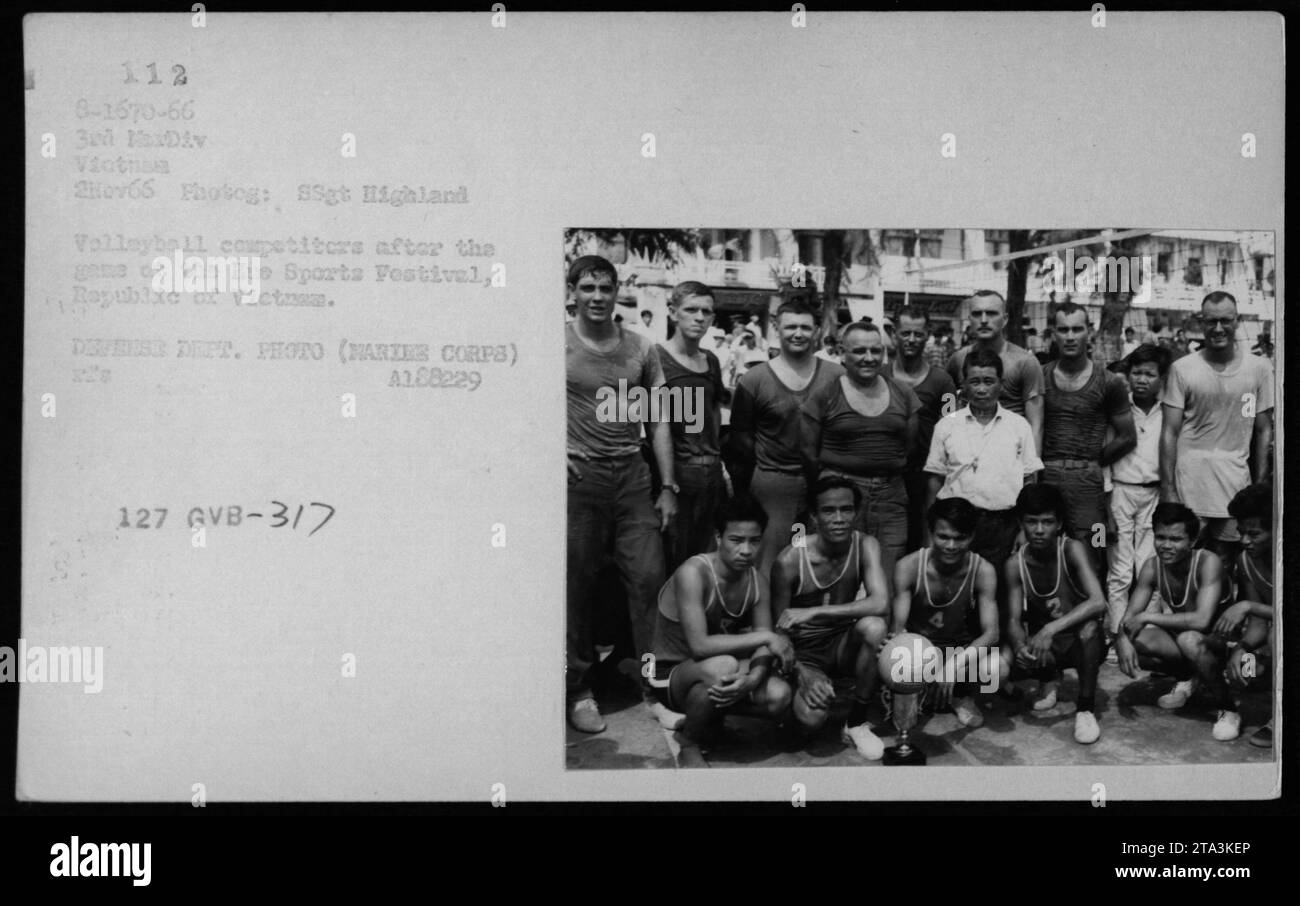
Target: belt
column 1138, row 484
column 882, row 476
column 700, row 460
column 1071, row 463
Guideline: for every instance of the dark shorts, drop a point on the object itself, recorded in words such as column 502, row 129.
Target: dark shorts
column 661, row 685
column 821, row 653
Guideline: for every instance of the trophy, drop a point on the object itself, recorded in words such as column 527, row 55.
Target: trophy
column 900, row 667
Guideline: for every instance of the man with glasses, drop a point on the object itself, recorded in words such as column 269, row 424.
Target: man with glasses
column 1218, row 411
column 1022, row 375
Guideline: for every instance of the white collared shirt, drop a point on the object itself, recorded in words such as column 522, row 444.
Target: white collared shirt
column 1141, row 465
column 985, row 464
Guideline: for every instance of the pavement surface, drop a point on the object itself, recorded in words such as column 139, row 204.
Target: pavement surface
column 1134, row 731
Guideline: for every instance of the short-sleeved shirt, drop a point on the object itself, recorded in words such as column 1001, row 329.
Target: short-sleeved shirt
column 703, row 389
column 592, row 384
column 770, row 409
column 1218, row 424
column 1022, row 376
column 1074, row 421
column 1141, row 465
column 935, row 391
column 862, row 444
column 985, row 464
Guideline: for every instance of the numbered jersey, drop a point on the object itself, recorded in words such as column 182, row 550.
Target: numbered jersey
column 943, row 622
column 1191, row 587
column 843, row 589
column 1044, row 604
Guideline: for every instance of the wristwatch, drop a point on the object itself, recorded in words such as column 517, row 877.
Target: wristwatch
column 673, row 487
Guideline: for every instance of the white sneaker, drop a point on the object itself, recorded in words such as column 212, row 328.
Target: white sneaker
column 668, row 719
column 1176, row 697
column 1228, row 726
column 584, row 715
column 867, row 743
column 1047, row 697
column 1086, row 730
column 968, row 713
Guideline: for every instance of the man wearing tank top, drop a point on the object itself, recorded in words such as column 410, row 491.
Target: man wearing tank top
column 715, row 652
column 1054, row 593
column 1175, row 600
column 1080, row 400
column 818, row 601
column 948, row 593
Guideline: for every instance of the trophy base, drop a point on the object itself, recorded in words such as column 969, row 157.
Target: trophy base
column 903, row 755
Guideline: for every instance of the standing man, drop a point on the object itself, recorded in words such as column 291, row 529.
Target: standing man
column 1218, row 410
column 984, row 453
column 697, row 459
column 609, row 495
column 1136, row 479
column 763, row 454
column 1080, row 400
column 934, row 388
column 1022, row 376
column 861, row 428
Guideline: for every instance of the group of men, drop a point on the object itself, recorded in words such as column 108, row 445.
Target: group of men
column 1024, row 516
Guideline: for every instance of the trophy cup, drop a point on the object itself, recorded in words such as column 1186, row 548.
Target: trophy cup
column 905, row 707
column 900, row 668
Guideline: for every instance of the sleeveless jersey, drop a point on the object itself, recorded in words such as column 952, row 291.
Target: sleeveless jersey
column 943, row 622
column 1246, row 567
column 1044, row 605
column 843, row 589
column 670, row 640
column 1190, row 588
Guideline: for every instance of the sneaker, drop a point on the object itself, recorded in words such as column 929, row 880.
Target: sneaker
column 1086, row 730
column 1176, row 697
column 867, row 743
column 585, row 716
column 1047, row 697
column 1112, row 656
column 1228, row 726
column 668, row 719
column 968, row 713
column 1263, row 737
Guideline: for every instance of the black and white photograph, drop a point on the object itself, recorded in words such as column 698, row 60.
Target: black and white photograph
column 990, row 496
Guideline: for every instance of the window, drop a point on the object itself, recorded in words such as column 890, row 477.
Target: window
column 1162, row 264
column 997, row 242
column 1192, row 273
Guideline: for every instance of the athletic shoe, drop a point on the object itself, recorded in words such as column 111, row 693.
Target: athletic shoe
column 1263, row 737
column 584, row 715
column 1176, row 697
column 1112, row 656
column 1086, row 730
column 968, row 713
column 861, row 738
column 1228, row 726
column 668, row 719
column 1046, row 698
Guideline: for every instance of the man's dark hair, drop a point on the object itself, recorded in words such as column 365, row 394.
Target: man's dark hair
column 831, row 483
column 1219, row 296
column 958, row 512
column 915, row 312
column 1128, row 330
column 798, row 305
column 985, row 293
column 1169, row 513
column 1148, row 353
column 741, row 508
column 1039, row 498
column 981, row 358
column 591, row 264
column 683, row 291
column 1068, row 308
column 1254, row 501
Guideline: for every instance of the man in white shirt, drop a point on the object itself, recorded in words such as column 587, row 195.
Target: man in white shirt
column 1135, row 479
column 985, row 454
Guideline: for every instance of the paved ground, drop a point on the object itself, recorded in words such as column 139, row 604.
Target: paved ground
column 1133, row 731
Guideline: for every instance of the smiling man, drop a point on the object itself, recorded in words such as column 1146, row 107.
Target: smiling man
column 1218, row 411
column 763, row 454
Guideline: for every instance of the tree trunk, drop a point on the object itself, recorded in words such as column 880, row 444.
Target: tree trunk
column 1017, row 280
